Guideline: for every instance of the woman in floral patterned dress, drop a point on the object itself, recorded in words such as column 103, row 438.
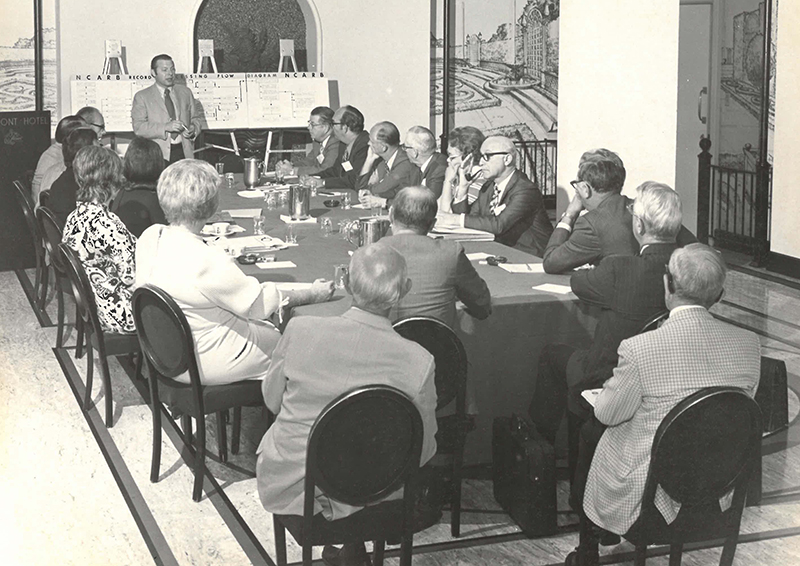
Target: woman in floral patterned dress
column 104, row 245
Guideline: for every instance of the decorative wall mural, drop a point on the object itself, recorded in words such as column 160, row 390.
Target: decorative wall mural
column 506, row 67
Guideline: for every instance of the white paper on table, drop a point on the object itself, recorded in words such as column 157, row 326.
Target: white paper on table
column 208, row 230
column 522, row 267
column 591, row 395
column 276, row 264
column 254, row 193
column 477, row 256
column 360, row 206
column 287, row 286
column 244, row 212
column 257, row 244
column 323, row 193
column 553, row 288
column 288, row 219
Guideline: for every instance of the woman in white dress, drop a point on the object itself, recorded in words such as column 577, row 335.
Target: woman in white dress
column 226, row 309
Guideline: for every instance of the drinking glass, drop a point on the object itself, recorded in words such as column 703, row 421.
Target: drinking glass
column 346, row 200
column 220, row 169
column 258, row 225
column 283, row 198
column 326, row 225
column 340, row 275
column 231, row 179
column 291, row 236
column 271, row 201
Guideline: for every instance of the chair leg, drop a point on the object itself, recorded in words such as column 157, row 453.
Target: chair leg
column 37, row 280
column 280, row 541
column 60, row 298
column 199, row 458
column 675, row 554
column 186, row 425
column 222, row 437
column 107, row 391
column 79, row 329
column 378, row 547
column 44, row 286
column 405, row 550
column 307, row 561
column 237, row 429
column 640, row 554
column 89, row 374
column 729, row 549
column 155, row 406
column 455, row 502
column 139, row 362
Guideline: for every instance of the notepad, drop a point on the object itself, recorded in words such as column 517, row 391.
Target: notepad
column 244, row 212
column 591, row 395
column 476, row 256
column 253, row 193
column 276, row 265
column 288, row 219
column 522, row 268
column 553, row 288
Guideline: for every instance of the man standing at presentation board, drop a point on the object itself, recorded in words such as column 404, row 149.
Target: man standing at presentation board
column 167, row 112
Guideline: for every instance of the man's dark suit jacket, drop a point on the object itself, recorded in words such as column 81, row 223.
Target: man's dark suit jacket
column 138, row 208
column 440, row 273
column 433, row 176
column 523, row 223
column 602, row 232
column 336, row 177
column 629, row 290
column 62, row 195
column 402, row 174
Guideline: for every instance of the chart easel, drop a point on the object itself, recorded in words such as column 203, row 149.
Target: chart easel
column 205, row 50
column 113, row 64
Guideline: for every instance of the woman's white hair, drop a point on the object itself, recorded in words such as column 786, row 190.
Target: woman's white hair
column 188, row 191
column 659, row 207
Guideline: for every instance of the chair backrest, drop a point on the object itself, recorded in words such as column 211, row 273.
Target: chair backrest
column 52, row 232
column 655, row 321
column 704, row 447
column 26, row 204
column 448, row 352
column 81, row 289
column 44, row 199
column 363, row 446
column 164, row 333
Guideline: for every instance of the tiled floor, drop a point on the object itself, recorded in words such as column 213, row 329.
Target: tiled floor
column 74, row 492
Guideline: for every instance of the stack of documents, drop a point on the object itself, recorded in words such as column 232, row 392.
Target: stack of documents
column 462, row 234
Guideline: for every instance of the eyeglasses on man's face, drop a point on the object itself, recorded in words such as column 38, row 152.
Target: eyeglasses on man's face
column 312, row 125
column 488, row 155
column 629, row 208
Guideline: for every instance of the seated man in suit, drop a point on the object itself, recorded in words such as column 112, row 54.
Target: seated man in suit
column 439, row 269
column 387, row 168
column 348, row 127
column 64, row 189
column 509, row 205
column 318, row 359
column 51, row 162
column 325, row 148
column 628, row 291
column 604, row 229
column 167, row 112
column 656, row 370
column 420, row 147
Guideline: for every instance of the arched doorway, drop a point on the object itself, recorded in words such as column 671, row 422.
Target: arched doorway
column 246, row 33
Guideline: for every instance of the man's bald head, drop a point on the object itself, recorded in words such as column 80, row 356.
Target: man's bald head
column 377, row 278
column 414, row 208
column 498, row 157
column 385, row 132
column 420, row 144
column 94, row 119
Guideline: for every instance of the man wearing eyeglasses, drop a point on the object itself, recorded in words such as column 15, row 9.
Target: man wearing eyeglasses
column 348, row 127
column 167, row 113
column 325, row 147
column 509, row 205
column 420, row 147
column 387, row 168
column 94, row 119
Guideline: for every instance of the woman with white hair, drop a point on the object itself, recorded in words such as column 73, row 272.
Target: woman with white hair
column 226, row 309
column 101, row 240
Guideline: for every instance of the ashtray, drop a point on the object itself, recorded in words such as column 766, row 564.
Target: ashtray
column 331, row 203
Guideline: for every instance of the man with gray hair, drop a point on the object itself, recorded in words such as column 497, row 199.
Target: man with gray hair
column 318, row 359
column 439, row 269
column 387, row 168
column 656, row 370
column 420, row 147
column 628, row 292
column 509, row 205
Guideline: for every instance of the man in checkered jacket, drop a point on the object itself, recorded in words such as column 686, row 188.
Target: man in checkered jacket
column 656, row 370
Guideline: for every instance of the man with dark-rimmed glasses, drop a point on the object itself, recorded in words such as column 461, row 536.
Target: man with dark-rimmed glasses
column 509, row 205
column 325, row 147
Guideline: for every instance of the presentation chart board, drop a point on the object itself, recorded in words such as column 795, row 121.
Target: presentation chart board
column 228, row 100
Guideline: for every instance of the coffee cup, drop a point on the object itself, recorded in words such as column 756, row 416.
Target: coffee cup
column 220, row 228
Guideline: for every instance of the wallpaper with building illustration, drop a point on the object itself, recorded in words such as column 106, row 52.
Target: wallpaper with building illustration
column 505, row 73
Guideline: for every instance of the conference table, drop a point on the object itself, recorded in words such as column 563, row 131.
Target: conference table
column 503, row 350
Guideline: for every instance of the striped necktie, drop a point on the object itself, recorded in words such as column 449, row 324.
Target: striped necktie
column 170, row 109
column 495, row 198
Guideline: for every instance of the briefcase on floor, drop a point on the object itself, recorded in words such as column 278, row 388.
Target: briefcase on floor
column 772, row 396
column 524, row 474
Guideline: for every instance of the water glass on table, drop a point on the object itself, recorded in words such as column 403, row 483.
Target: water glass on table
column 231, row 179
column 220, row 169
column 271, row 200
column 326, row 225
column 259, row 225
column 291, row 236
column 340, row 275
column 346, row 202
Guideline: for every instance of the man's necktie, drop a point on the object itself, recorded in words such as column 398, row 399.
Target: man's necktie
column 170, row 109
column 495, row 198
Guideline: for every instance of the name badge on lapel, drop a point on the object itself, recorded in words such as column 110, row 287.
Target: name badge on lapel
column 320, row 158
column 346, row 166
column 498, row 209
